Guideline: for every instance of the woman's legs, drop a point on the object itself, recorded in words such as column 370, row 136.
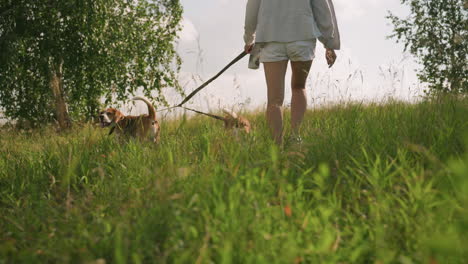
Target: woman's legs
column 300, row 71
column 275, row 74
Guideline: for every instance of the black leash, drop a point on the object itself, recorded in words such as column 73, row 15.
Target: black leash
column 238, row 58
column 165, row 109
column 202, row 113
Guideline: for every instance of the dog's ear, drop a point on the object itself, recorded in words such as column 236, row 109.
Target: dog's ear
column 246, row 125
column 115, row 115
column 118, row 116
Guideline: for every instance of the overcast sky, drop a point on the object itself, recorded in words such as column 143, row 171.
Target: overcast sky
column 369, row 66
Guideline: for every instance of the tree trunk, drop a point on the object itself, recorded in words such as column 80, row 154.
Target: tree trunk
column 56, row 85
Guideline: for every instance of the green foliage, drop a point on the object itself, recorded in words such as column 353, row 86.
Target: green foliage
column 371, row 184
column 436, row 33
column 107, row 48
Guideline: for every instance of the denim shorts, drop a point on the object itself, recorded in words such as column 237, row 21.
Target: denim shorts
column 302, row 50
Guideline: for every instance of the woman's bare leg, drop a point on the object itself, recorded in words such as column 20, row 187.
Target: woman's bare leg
column 300, row 71
column 275, row 74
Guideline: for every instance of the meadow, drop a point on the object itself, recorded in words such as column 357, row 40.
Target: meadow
column 371, row 183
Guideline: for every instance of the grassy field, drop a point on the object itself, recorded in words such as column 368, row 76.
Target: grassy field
column 370, row 184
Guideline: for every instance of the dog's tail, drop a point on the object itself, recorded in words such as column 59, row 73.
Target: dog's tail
column 151, row 111
column 229, row 113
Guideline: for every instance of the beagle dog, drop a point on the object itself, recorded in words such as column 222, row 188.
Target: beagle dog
column 231, row 120
column 143, row 127
column 234, row 122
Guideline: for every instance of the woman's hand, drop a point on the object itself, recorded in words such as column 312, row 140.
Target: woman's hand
column 330, row 55
column 248, row 48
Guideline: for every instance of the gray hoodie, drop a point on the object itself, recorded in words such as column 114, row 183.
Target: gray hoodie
column 291, row 20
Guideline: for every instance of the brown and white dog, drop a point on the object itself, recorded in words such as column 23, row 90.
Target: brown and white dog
column 231, row 120
column 143, row 127
column 234, row 122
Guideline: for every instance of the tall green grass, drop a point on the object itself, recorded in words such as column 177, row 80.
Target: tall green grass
column 370, row 184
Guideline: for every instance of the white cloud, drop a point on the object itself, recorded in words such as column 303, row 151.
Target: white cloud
column 354, row 9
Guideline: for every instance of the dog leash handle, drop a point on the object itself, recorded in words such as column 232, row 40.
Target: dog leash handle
column 238, row 58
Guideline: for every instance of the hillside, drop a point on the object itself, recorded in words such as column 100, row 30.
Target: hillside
column 370, row 184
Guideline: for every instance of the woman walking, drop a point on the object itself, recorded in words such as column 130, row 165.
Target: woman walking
column 283, row 31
